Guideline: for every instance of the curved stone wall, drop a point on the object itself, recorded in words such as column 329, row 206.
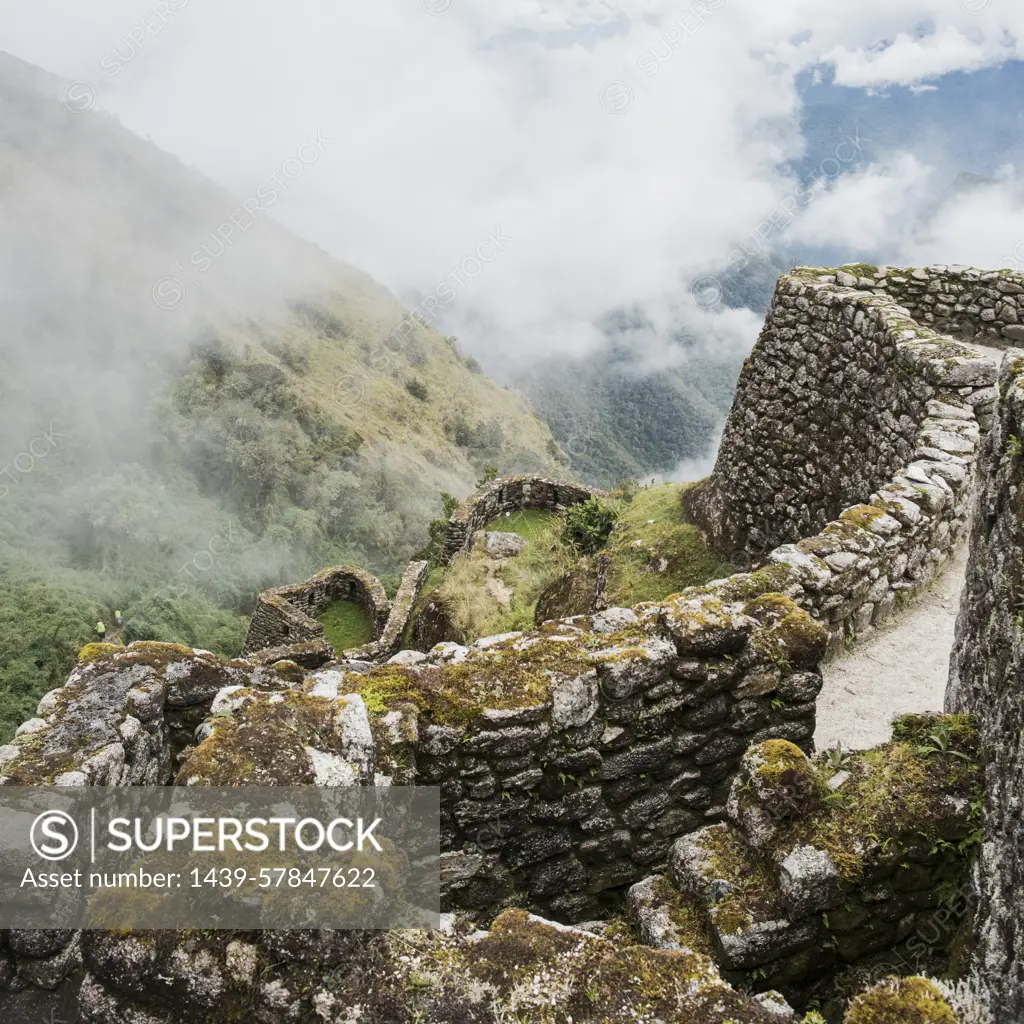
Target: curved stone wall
column 982, row 306
column 509, row 494
column 986, row 675
column 285, row 617
column 849, row 453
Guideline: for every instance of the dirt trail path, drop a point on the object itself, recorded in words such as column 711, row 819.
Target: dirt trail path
column 902, row 668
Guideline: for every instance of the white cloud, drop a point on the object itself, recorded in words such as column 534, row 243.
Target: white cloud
column 870, row 209
column 911, row 58
column 490, row 115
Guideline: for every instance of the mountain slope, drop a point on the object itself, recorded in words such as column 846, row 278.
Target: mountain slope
column 191, row 412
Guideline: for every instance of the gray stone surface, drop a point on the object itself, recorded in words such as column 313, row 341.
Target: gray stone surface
column 985, row 679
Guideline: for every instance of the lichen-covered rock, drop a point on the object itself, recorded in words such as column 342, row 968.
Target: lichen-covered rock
column 284, row 739
column 776, row 782
column 901, row 1001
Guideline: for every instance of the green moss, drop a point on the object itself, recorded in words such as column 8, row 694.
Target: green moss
column 862, row 515
column 263, row 742
column 897, row 795
column 689, row 920
column 766, row 580
column 537, row 974
column 347, row 624
column 94, row 652
column 901, row 1001
column 753, row 891
column 780, row 758
column 792, row 638
column 500, row 677
column 859, row 269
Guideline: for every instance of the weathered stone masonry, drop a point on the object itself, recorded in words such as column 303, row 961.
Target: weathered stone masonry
column 575, row 760
column 286, row 616
column 788, row 889
column 509, row 494
column 568, row 758
column 848, row 459
column 987, row 680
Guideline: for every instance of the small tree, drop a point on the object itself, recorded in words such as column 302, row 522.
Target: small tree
column 490, row 473
column 417, row 389
column 588, row 525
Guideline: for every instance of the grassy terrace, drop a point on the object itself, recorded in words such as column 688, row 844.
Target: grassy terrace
column 653, row 552
column 346, row 625
column 657, row 551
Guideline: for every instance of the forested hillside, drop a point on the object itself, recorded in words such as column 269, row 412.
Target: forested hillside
column 173, row 442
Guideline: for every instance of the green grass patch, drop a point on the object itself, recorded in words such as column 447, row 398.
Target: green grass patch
column 656, row 551
column 532, row 524
column 484, row 596
column 346, row 625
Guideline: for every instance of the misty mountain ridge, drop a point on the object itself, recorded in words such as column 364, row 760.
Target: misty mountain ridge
column 180, row 432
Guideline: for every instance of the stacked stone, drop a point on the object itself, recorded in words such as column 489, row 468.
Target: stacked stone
column 986, row 670
column 536, row 970
column 115, row 722
column 986, row 306
column 509, row 494
column 559, row 803
column 856, row 430
column 390, row 638
column 777, row 909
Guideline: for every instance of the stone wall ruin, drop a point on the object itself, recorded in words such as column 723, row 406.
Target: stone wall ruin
column 285, row 617
column 987, row 680
column 509, row 494
column 849, row 454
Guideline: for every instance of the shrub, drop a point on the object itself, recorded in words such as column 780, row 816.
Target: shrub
column 490, row 473
column 416, row 388
column 436, row 529
column 588, row 525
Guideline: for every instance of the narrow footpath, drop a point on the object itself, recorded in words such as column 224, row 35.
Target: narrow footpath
column 901, row 667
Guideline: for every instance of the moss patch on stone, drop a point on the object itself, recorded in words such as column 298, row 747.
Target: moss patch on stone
column 769, row 579
column 533, row 972
column 500, row 677
column 752, row 894
column 898, row 796
column 263, row 742
column 790, row 638
column 901, row 1001
column 687, row 917
column 94, row 652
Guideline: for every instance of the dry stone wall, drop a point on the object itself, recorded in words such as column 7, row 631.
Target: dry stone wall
column 987, row 680
column 509, row 494
column 982, row 306
column 285, row 617
column 117, row 721
column 806, row 877
column 849, row 454
column 568, row 758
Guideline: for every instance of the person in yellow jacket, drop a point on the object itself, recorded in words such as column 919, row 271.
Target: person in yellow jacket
column 101, row 631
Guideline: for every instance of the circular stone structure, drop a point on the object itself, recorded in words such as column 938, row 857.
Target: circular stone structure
column 286, row 617
column 510, row 494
